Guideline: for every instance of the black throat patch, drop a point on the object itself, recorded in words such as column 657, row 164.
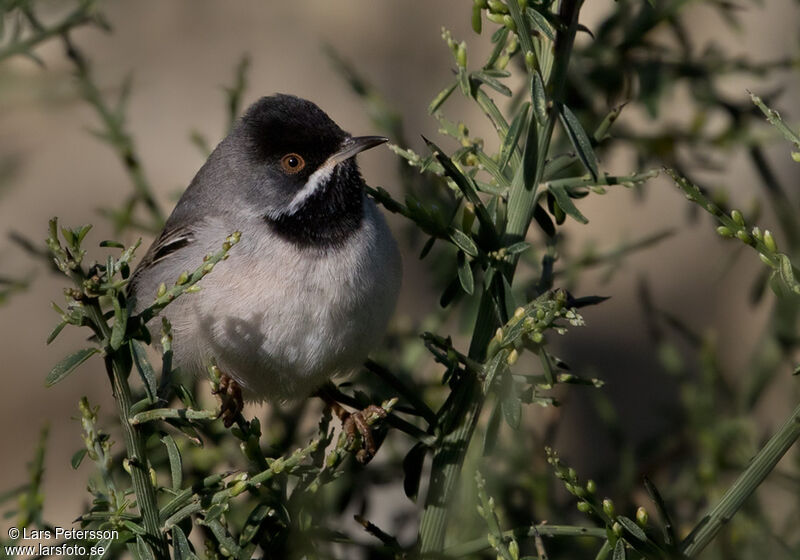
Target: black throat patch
column 328, row 217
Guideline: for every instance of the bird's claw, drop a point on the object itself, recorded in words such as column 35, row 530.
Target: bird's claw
column 359, row 423
column 230, row 393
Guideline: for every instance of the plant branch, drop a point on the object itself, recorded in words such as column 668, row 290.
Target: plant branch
column 761, row 465
column 543, row 529
column 462, row 409
column 79, row 16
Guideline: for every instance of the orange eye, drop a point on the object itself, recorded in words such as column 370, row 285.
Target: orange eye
column 292, row 163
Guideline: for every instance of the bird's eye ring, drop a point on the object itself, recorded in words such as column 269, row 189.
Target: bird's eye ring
column 292, row 163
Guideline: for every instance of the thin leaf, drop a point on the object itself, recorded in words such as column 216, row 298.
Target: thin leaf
column 499, row 39
column 547, row 366
column 77, row 458
column 512, row 407
column 463, row 82
column 102, row 549
column 632, row 527
column 539, row 23
column 247, row 538
column 175, row 463
column 539, row 99
column 543, row 219
column 441, row 98
column 55, row 332
column 580, row 141
column 492, row 82
column 450, row 292
column 427, row 248
column 517, row 248
column 511, row 139
column 496, row 365
column 180, row 545
column 120, row 324
column 466, row 186
column 619, row 550
column 412, row 470
column 144, row 368
column 464, row 242
column 68, row 365
column 492, row 428
column 669, row 531
column 143, row 549
column 564, row 202
column 786, row 271
column 465, row 274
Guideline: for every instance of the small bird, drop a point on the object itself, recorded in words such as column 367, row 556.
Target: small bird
column 309, row 289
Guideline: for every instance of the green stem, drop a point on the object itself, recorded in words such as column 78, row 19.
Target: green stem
column 465, row 403
column 137, row 456
column 175, row 413
column 761, row 465
column 118, row 365
column 544, row 530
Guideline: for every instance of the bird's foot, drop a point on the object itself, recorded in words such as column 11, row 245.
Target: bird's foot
column 230, row 393
column 358, row 422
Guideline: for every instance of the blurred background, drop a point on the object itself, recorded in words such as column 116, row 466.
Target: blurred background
column 181, row 53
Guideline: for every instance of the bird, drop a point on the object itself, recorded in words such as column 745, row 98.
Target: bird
column 309, row 289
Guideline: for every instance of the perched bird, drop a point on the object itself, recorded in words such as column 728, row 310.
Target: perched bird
column 309, row 289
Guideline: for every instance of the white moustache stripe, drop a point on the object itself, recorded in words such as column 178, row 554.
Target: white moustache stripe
column 318, row 179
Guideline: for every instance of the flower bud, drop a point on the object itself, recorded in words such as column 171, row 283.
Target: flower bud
column 495, row 17
column 513, row 356
column 737, row 217
column 238, row 488
column 461, row 55
column 608, row 508
column 477, row 22
column 641, row 516
column 769, row 241
column 498, row 7
column 530, row 61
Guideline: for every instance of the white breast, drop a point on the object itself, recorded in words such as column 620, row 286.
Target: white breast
column 289, row 318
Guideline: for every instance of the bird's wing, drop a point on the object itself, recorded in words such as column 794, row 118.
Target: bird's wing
column 170, row 241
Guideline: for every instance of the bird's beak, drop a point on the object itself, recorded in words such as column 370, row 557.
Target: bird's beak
column 353, row 146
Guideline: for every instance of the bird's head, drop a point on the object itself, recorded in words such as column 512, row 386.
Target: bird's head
column 304, row 163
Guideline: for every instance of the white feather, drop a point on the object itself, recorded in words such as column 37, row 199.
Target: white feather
column 317, row 180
